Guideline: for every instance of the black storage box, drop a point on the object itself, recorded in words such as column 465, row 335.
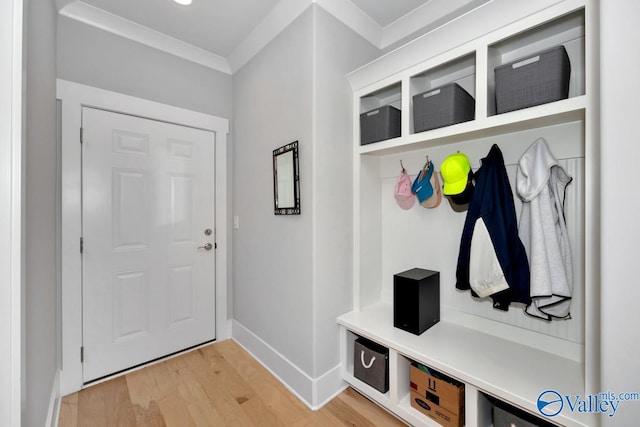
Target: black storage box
column 443, row 106
column 416, row 300
column 505, row 415
column 379, row 124
column 536, row 79
column 371, row 364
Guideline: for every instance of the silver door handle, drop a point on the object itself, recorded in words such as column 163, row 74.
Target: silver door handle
column 208, row 246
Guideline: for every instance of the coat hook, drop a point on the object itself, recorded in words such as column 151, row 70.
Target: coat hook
column 401, row 165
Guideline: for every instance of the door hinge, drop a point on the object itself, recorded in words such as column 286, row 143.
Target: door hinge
column 81, row 245
column 81, row 135
column 81, row 354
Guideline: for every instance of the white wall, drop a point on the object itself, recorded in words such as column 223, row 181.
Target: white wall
column 338, row 50
column 98, row 58
column 272, row 255
column 620, row 151
column 10, row 210
column 40, row 211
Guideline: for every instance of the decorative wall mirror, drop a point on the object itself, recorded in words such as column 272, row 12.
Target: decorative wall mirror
column 286, row 183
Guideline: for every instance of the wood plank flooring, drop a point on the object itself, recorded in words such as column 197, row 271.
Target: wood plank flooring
column 217, row 385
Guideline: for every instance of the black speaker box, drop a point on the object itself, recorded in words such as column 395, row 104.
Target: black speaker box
column 416, row 300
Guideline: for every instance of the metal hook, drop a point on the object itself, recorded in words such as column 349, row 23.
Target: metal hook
column 401, row 165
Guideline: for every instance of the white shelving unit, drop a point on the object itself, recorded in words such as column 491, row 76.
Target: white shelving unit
column 509, row 356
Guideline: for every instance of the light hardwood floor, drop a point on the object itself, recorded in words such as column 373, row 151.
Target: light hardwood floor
column 217, row 385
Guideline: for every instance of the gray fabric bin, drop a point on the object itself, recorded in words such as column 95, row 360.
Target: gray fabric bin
column 379, row 124
column 534, row 80
column 371, row 364
column 506, row 416
column 443, row 106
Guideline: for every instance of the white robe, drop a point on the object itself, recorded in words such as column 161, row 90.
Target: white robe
column 541, row 184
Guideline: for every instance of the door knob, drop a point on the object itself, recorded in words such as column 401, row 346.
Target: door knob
column 207, row 247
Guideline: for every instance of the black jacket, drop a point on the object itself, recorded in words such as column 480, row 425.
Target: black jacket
column 492, row 203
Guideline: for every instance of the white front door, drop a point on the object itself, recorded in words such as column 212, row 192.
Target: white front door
column 148, row 281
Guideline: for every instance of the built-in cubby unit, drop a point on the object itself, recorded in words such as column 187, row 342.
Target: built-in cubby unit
column 506, row 355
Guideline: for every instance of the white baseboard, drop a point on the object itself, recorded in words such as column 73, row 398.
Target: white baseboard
column 53, row 413
column 313, row 392
column 327, row 386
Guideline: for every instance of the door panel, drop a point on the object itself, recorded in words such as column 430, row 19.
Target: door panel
column 147, row 198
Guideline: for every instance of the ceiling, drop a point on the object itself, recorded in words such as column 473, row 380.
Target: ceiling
column 225, row 34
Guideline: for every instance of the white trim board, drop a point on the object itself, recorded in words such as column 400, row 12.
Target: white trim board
column 313, row 392
column 55, row 400
column 432, row 14
column 74, row 96
column 11, row 170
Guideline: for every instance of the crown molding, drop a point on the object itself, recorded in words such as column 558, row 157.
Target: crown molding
column 60, row 4
column 426, row 18
column 354, row 18
column 123, row 27
column 279, row 18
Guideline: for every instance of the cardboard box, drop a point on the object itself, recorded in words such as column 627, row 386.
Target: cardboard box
column 444, row 392
column 441, row 415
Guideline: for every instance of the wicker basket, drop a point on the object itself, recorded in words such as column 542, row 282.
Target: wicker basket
column 443, row 106
column 534, row 80
column 379, row 124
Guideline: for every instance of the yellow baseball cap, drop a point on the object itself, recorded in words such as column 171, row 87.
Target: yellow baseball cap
column 455, row 172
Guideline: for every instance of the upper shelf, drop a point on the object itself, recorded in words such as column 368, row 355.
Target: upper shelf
column 564, row 111
column 472, row 66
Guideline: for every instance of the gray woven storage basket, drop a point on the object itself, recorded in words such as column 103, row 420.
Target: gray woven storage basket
column 443, row 106
column 536, row 79
column 379, row 124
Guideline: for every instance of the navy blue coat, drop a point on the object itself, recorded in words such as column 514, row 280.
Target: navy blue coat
column 492, row 201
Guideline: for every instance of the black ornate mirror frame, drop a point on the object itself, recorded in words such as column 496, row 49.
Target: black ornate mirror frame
column 286, row 180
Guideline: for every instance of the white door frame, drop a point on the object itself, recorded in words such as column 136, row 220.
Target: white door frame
column 11, row 125
column 74, row 96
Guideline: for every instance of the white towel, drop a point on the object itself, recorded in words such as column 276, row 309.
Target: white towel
column 541, row 184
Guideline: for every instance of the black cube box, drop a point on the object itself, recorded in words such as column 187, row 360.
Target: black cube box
column 371, row 364
column 379, row 124
column 416, row 300
column 536, row 79
column 443, row 106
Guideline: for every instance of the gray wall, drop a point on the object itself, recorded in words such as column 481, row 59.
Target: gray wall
column 98, row 58
column 292, row 275
column 272, row 255
column 620, row 151
column 338, row 50
column 40, row 212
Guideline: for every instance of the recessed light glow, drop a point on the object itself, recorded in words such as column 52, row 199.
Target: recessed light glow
column 184, row 2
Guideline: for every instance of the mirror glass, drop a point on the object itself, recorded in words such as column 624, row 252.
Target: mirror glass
column 286, row 186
